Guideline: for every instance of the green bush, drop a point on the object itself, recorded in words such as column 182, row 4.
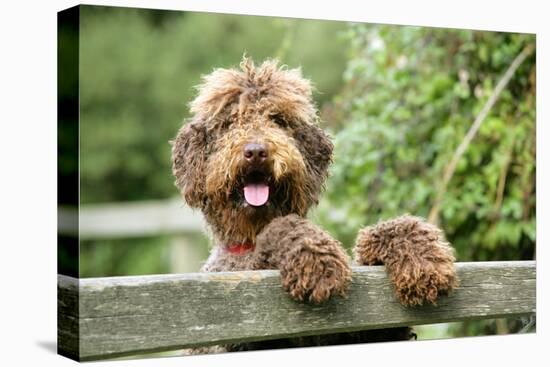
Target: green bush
column 137, row 72
column 411, row 94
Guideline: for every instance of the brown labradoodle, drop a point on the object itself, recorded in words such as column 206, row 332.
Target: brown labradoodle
column 254, row 160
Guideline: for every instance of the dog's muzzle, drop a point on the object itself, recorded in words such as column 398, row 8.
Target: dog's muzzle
column 256, row 185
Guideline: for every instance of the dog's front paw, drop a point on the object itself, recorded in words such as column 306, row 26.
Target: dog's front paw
column 422, row 281
column 315, row 272
column 419, row 261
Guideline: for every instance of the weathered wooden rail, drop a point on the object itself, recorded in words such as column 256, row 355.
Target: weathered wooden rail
column 108, row 317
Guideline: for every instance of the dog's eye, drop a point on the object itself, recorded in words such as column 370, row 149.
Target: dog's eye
column 279, row 120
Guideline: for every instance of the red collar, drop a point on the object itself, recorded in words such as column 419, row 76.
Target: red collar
column 240, row 248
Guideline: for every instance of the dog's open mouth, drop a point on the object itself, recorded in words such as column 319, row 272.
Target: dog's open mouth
column 256, row 188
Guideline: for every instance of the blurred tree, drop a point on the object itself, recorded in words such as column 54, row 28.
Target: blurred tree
column 411, row 95
column 137, row 72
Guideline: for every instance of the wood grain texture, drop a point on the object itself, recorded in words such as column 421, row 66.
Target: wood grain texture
column 68, row 336
column 140, row 314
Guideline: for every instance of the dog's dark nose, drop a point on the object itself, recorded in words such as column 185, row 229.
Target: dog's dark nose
column 255, row 153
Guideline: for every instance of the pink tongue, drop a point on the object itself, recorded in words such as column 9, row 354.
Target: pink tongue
column 256, row 194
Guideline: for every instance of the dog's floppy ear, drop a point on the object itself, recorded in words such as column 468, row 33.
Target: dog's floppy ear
column 189, row 161
column 316, row 148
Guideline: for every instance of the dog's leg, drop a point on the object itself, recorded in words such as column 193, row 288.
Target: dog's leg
column 419, row 262
column 313, row 265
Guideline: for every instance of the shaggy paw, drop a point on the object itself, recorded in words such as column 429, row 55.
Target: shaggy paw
column 416, row 283
column 419, row 261
column 315, row 273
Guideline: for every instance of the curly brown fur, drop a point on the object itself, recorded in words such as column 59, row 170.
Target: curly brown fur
column 268, row 105
column 419, row 261
column 313, row 265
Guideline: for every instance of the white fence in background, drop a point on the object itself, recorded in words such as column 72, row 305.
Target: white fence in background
column 130, row 219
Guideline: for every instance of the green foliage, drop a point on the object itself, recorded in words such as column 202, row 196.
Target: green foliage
column 137, row 256
column 411, row 95
column 137, row 72
column 133, row 256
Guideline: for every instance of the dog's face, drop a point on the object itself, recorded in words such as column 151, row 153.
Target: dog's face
column 253, row 150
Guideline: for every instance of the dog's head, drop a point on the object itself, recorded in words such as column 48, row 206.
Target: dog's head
column 253, row 150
